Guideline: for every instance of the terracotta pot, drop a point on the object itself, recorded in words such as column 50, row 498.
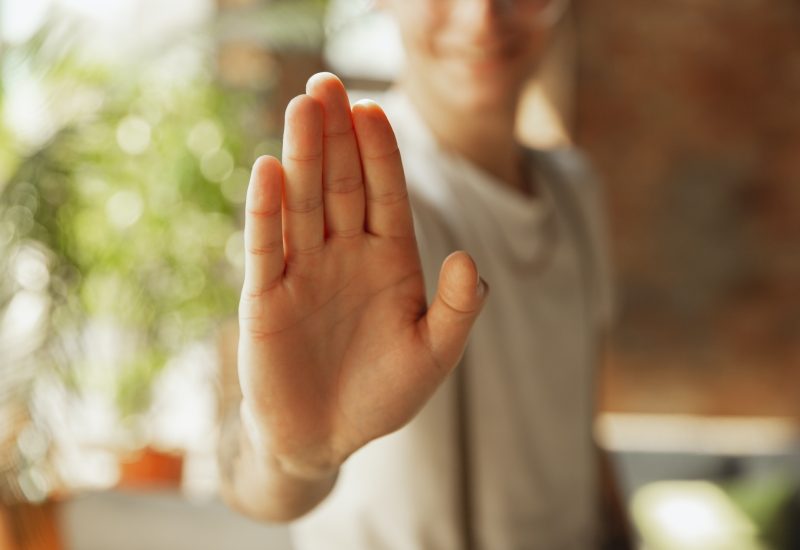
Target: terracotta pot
column 150, row 468
column 26, row 526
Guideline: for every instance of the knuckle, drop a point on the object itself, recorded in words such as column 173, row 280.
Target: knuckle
column 263, row 213
column 308, row 250
column 349, row 233
column 265, row 249
column 297, row 158
column 304, row 205
column 250, row 305
column 345, row 131
column 253, row 332
column 251, row 302
column 458, row 304
column 389, row 198
column 393, row 152
column 257, row 335
column 343, row 184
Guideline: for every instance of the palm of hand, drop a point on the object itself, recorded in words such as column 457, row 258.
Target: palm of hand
column 336, row 346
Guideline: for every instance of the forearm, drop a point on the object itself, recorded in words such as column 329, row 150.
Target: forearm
column 253, row 483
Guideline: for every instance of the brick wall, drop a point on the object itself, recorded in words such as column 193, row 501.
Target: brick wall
column 691, row 113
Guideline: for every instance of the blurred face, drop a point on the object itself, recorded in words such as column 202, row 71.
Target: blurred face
column 473, row 54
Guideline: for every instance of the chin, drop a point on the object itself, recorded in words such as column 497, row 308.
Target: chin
column 486, row 84
column 486, row 93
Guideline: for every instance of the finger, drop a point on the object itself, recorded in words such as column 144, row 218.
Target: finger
column 263, row 241
column 459, row 298
column 343, row 188
column 388, row 210
column 303, row 218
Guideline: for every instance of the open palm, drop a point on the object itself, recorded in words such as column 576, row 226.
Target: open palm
column 337, row 346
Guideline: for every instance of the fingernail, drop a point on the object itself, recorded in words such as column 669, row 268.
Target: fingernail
column 480, row 289
column 365, row 102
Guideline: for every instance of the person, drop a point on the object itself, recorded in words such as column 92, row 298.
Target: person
column 356, row 424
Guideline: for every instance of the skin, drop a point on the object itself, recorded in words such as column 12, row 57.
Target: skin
column 337, row 346
column 467, row 62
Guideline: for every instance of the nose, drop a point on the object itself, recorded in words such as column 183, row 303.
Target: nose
column 546, row 12
column 483, row 12
column 503, row 5
column 495, row 7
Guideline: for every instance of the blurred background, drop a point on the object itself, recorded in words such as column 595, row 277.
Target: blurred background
column 127, row 128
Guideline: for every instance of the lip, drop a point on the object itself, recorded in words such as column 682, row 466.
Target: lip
column 484, row 58
column 483, row 51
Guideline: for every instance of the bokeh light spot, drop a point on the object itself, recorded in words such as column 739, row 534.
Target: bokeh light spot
column 234, row 188
column 30, row 269
column 133, row 135
column 124, row 208
column 217, row 166
column 204, row 138
column 234, row 249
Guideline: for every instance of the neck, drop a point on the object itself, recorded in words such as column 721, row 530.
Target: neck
column 486, row 139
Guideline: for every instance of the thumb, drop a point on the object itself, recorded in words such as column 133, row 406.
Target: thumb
column 459, row 298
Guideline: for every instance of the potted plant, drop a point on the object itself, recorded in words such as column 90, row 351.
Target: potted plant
column 119, row 230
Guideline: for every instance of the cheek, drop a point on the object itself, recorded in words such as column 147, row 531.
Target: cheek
column 419, row 24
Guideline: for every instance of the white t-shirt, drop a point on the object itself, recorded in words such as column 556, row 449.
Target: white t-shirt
column 501, row 457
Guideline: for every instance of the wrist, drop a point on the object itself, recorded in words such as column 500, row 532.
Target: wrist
column 301, row 469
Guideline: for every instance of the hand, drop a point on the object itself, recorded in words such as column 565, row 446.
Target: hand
column 337, row 346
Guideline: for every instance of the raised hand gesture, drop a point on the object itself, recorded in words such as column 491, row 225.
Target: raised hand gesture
column 337, row 345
